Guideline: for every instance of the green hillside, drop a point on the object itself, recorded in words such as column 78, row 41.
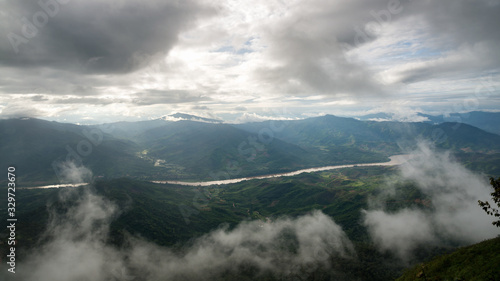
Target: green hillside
column 33, row 145
column 327, row 132
column 194, row 149
column 190, row 150
column 477, row 262
column 172, row 216
column 488, row 121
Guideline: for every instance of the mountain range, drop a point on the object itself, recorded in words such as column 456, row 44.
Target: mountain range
column 194, row 148
column 487, row 121
column 132, row 213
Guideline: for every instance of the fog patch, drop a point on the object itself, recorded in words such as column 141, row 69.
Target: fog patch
column 399, row 232
column 69, row 172
column 453, row 214
column 77, row 247
column 284, row 247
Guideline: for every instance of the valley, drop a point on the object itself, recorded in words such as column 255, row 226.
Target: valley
column 394, row 160
column 188, row 150
column 230, row 140
column 172, row 215
column 178, row 187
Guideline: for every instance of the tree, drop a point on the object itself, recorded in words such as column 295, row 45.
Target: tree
column 495, row 195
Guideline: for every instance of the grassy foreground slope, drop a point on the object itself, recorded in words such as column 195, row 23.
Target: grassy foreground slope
column 477, row 262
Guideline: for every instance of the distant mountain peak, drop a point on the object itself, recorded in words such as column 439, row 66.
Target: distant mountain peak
column 183, row 116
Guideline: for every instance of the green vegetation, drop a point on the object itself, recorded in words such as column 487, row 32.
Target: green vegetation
column 155, row 211
column 382, row 137
column 32, row 146
column 487, row 163
column 189, row 150
column 495, row 196
column 487, row 121
column 170, row 215
column 339, row 193
column 477, row 262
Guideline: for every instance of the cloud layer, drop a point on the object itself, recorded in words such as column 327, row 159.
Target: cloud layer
column 139, row 60
column 452, row 217
column 77, row 248
column 93, row 36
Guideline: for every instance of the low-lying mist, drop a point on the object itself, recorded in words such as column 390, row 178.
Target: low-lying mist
column 453, row 215
column 76, row 247
column 76, row 243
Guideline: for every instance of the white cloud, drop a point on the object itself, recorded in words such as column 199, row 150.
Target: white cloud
column 254, row 117
column 71, row 172
column 400, row 232
column 77, row 248
column 248, row 51
column 453, row 216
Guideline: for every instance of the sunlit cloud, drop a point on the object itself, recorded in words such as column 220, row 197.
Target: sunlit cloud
column 317, row 56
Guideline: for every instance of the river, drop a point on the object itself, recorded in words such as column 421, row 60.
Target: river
column 395, row 160
column 55, row 186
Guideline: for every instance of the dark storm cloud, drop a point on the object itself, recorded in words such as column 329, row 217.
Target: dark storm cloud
column 48, row 81
column 344, row 48
column 92, row 36
column 150, row 97
column 310, row 44
column 465, row 34
column 464, row 21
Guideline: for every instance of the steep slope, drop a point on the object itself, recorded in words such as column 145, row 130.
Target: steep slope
column 459, row 136
column 199, row 149
column 160, row 149
column 129, row 130
column 476, row 262
column 330, row 132
column 318, row 131
column 33, row 145
column 133, row 130
column 488, row 121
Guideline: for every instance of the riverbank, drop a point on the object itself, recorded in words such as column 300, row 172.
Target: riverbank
column 394, row 161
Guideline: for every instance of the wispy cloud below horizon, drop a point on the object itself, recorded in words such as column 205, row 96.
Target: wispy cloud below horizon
column 453, row 215
column 76, row 247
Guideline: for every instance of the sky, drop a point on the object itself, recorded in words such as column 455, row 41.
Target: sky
column 97, row 61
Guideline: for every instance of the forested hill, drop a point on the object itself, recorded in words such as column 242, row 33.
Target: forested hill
column 197, row 150
column 476, row 262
